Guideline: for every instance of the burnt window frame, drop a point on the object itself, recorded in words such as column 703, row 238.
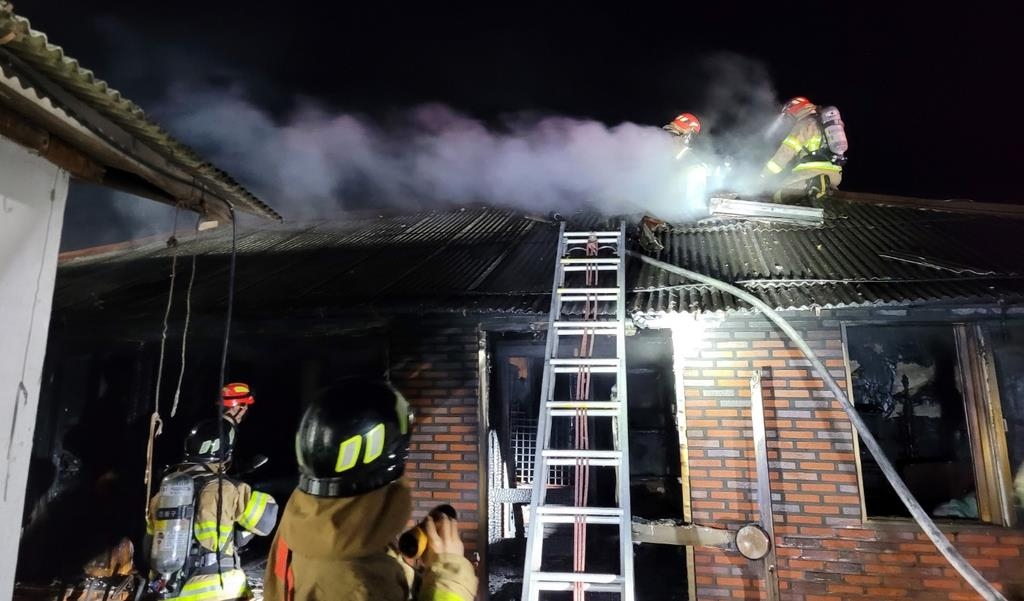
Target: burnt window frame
column 985, row 423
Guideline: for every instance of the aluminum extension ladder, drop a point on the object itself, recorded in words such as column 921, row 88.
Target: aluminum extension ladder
column 583, row 253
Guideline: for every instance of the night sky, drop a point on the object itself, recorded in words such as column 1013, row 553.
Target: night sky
column 929, row 96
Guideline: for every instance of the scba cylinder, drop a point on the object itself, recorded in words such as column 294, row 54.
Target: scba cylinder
column 172, row 527
column 835, row 130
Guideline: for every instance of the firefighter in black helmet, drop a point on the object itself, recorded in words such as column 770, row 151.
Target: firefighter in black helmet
column 223, row 508
column 352, row 503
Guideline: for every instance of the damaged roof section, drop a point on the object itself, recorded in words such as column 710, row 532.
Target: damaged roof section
column 854, row 259
column 487, row 260
column 55, row 107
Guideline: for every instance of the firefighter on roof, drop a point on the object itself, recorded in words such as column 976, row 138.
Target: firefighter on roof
column 809, row 160
column 351, row 504
column 684, row 128
column 194, row 518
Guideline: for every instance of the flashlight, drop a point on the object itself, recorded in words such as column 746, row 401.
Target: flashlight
column 413, row 542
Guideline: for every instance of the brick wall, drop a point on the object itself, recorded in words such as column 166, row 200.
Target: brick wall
column 435, row 366
column 825, row 550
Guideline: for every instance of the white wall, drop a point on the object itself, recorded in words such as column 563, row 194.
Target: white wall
column 32, row 196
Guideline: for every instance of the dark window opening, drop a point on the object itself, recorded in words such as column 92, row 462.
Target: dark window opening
column 908, row 389
column 945, row 404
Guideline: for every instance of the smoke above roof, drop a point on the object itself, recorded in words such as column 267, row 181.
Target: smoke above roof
column 313, row 161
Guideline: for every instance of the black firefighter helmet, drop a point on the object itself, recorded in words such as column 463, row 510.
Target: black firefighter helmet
column 210, row 441
column 353, row 438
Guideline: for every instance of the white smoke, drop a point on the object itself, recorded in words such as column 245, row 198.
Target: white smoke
column 316, row 162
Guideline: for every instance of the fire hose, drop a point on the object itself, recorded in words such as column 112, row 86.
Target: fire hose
column 946, row 548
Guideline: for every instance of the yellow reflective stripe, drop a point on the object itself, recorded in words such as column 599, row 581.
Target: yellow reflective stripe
column 822, row 165
column 348, row 453
column 814, row 143
column 208, row 587
column 207, row 534
column 441, row 594
column 374, row 443
column 253, row 510
column 793, row 143
column 773, row 167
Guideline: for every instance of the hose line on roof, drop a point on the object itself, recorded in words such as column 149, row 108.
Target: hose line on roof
column 971, row 575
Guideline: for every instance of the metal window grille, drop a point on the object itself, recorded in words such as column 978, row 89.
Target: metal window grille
column 524, row 437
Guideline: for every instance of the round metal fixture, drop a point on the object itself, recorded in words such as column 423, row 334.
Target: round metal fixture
column 752, row 542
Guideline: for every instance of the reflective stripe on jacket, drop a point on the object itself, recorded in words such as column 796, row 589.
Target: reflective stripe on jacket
column 800, row 145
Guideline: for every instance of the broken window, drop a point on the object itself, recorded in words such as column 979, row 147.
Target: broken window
column 923, row 393
column 1007, row 351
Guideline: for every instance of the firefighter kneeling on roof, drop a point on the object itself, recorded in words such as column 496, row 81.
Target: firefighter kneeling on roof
column 809, row 161
column 337, row 531
column 195, row 520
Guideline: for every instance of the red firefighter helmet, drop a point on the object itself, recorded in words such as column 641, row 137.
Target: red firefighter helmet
column 236, row 394
column 798, row 107
column 686, row 123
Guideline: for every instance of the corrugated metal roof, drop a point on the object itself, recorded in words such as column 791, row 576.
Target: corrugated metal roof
column 50, row 60
column 498, row 261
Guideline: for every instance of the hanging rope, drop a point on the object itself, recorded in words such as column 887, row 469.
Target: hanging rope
column 223, row 371
column 155, row 423
column 184, row 332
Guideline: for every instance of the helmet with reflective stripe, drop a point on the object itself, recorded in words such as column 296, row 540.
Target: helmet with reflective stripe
column 207, row 442
column 798, row 107
column 353, row 438
column 686, row 123
column 236, row 394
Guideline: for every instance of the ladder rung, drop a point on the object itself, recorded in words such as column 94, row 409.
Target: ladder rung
column 560, row 457
column 587, row 325
column 601, row 241
column 564, row 581
column 590, row 408
column 579, row 234
column 590, row 261
column 596, row 520
column 588, row 405
column 574, row 369
column 588, row 290
column 589, row 412
column 571, row 510
column 589, row 361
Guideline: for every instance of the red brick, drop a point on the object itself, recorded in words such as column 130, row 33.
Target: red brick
column 881, row 592
column 1001, row 551
column 845, row 588
column 791, row 353
column 878, row 568
column 917, row 547
column 945, row 584
column 763, row 353
column 822, row 509
column 862, row 580
column 802, row 519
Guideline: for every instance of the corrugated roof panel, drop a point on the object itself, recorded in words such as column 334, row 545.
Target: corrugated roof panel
column 493, row 260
